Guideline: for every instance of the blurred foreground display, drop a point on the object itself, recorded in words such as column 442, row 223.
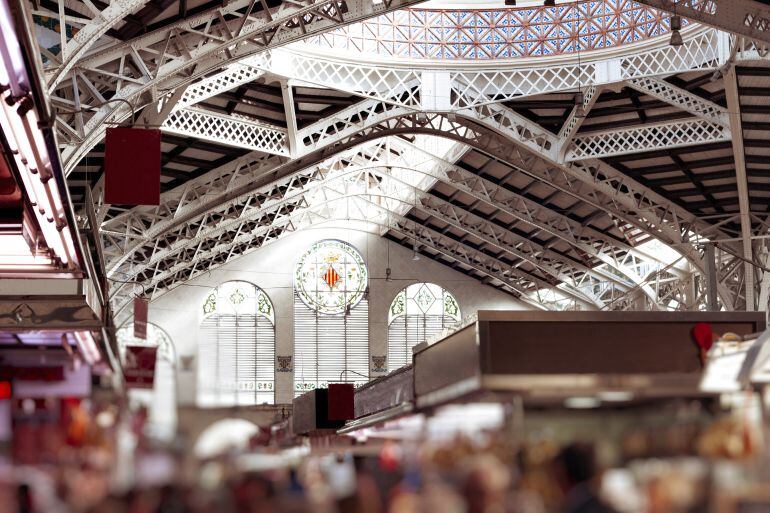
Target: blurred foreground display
column 541, row 433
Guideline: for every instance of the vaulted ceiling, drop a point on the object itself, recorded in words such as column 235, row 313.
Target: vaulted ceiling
column 562, row 175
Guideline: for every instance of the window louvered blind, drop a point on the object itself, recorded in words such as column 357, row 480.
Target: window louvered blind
column 236, row 360
column 407, row 331
column 330, row 348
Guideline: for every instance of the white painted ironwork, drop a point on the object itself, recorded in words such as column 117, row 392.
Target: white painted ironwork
column 742, row 17
column 681, row 98
column 287, row 95
column 360, row 119
column 625, row 141
column 228, row 130
column 233, row 76
column 741, row 178
column 86, row 31
column 142, row 69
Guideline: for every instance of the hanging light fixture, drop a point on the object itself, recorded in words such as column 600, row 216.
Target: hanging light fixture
column 549, row 3
column 579, row 104
column 676, row 27
column 388, row 271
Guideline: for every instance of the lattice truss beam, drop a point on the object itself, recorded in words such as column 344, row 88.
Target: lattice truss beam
column 597, row 184
column 397, row 184
column 707, row 125
column 378, row 120
column 471, row 90
column 146, row 69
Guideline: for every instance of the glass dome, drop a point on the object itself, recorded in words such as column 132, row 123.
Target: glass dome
column 465, row 30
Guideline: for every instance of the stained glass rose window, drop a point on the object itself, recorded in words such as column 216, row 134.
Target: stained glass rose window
column 331, row 276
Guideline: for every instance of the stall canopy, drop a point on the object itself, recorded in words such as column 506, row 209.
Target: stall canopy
column 544, row 355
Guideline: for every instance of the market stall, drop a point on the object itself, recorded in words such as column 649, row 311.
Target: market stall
column 665, row 402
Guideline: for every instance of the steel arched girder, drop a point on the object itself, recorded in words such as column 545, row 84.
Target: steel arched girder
column 405, row 121
column 178, row 54
column 298, row 216
column 88, row 35
column 492, row 235
column 470, row 88
column 630, row 203
column 590, row 241
column 527, row 211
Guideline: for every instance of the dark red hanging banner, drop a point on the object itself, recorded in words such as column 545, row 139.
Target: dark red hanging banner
column 341, row 397
column 132, row 166
column 141, row 306
column 139, row 367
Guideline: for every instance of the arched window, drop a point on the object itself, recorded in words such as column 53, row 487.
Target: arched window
column 416, row 314
column 331, row 316
column 236, row 347
column 161, row 399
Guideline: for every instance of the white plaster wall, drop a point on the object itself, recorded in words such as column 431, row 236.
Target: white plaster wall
column 271, row 268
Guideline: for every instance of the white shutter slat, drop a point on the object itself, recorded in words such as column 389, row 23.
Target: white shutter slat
column 327, row 345
column 407, row 331
column 236, row 360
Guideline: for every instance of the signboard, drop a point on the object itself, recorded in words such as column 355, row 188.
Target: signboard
column 139, row 366
column 132, row 166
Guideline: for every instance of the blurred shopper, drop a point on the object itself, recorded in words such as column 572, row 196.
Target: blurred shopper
column 577, row 470
column 24, row 499
column 172, row 500
column 486, row 484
